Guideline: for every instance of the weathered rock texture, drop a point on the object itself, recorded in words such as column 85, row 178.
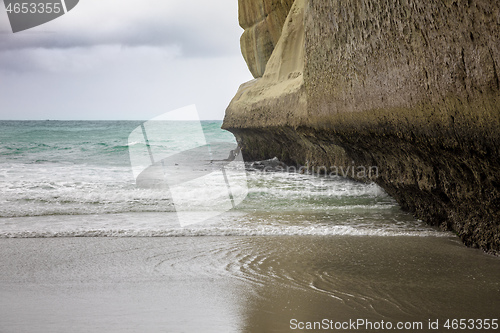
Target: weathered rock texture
column 262, row 21
column 409, row 86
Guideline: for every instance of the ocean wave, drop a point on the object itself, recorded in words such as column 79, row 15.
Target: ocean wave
column 229, row 232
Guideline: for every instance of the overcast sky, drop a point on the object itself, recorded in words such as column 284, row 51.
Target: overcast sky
column 119, row 59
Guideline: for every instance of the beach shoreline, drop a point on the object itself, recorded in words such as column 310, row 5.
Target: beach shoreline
column 238, row 284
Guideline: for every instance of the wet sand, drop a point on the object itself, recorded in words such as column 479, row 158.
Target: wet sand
column 240, row 284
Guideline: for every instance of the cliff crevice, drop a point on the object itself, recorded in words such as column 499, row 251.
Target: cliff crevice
column 263, row 21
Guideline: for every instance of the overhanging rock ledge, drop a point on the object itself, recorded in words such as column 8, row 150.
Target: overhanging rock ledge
column 410, row 86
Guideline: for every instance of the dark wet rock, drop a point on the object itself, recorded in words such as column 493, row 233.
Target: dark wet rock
column 273, row 164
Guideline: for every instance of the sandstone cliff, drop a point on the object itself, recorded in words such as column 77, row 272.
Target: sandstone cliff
column 263, row 21
column 409, row 86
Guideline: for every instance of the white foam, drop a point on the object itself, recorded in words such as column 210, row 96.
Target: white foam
column 214, row 231
column 234, row 223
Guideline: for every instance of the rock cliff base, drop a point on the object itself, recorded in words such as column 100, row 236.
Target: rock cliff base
column 410, row 87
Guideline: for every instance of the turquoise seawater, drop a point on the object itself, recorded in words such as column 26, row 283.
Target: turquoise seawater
column 82, row 170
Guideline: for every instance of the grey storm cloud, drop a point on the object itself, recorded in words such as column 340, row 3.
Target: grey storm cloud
column 199, row 28
column 119, row 59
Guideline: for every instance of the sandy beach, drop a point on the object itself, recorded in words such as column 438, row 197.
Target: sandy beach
column 239, row 284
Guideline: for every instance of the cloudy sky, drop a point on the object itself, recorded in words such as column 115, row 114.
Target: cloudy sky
column 119, row 59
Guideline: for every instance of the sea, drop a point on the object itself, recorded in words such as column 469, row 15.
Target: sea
column 86, row 247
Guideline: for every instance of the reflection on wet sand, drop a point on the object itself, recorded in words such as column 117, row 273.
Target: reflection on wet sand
column 240, row 284
column 345, row 279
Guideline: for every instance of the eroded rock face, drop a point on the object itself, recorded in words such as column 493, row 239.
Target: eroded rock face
column 411, row 87
column 414, row 89
column 262, row 21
